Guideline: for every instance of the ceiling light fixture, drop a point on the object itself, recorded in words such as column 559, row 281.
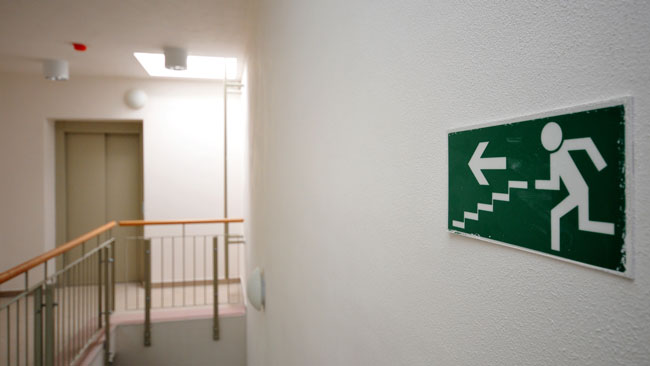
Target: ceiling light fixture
column 56, row 70
column 175, row 58
column 198, row 67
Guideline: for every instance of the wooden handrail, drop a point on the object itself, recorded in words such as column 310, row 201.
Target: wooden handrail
column 26, row 266
column 177, row 222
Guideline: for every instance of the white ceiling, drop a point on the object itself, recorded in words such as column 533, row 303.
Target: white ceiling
column 34, row 30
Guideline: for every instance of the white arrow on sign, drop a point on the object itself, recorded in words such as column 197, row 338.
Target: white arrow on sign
column 477, row 164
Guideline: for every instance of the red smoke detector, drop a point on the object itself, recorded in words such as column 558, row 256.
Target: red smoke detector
column 79, row 47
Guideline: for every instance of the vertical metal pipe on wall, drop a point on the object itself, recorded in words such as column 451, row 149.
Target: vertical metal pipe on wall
column 215, row 258
column 226, row 230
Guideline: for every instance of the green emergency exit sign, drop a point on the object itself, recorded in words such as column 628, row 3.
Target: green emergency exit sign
column 555, row 184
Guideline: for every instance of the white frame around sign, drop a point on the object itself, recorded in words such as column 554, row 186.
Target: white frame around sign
column 628, row 104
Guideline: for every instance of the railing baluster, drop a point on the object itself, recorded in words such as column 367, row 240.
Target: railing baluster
column 49, row 325
column 173, row 257
column 72, row 309
column 27, row 319
column 107, row 307
column 84, row 300
column 138, row 248
column 84, row 304
column 79, row 312
column 183, row 256
column 90, row 305
column 60, row 340
column 194, row 269
column 64, row 304
column 162, row 274
column 38, row 326
column 99, row 288
column 112, row 265
column 68, row 315
column 228, row 287
column 82, row 297
column 69, row 310
column 226, row 253
column 147, row 293
column 126, row 280
column 90, row 298
column 238, row 275
column 75, row 313
column 59, row 329
column 93, row 297
column 97, row 298
column 8, row 335
column 64, row 308
column 215, row 289
column 17, row 332
column 205, row 272
column 97, row 281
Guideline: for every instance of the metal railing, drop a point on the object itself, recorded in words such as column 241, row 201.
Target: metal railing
column 55, row 319
column 181, row 270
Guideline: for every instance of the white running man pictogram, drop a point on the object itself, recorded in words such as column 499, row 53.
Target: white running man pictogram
column 563, row 167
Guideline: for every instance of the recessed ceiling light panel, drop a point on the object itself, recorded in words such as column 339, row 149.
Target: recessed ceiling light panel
column 198, row 67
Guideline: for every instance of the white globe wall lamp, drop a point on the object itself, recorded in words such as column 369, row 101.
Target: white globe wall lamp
column 135, row 98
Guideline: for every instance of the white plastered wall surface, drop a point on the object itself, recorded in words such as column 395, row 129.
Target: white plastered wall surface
column 350, row 107
column 182, row 151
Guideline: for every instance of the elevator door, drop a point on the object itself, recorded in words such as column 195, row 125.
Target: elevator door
column 103, row 182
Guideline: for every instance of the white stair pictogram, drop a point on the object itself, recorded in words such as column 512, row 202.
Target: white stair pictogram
column 490, row 207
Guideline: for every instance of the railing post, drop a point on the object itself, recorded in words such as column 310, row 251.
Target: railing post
column 215, row 288
column 107, row 307
column 27, row 318
column 112, row 260
column 147, row 293
column 226, row 250
column 49, row 325
column 38, row 326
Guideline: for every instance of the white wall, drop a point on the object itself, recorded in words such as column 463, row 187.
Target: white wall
column 351, row 102
column 183, row 151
